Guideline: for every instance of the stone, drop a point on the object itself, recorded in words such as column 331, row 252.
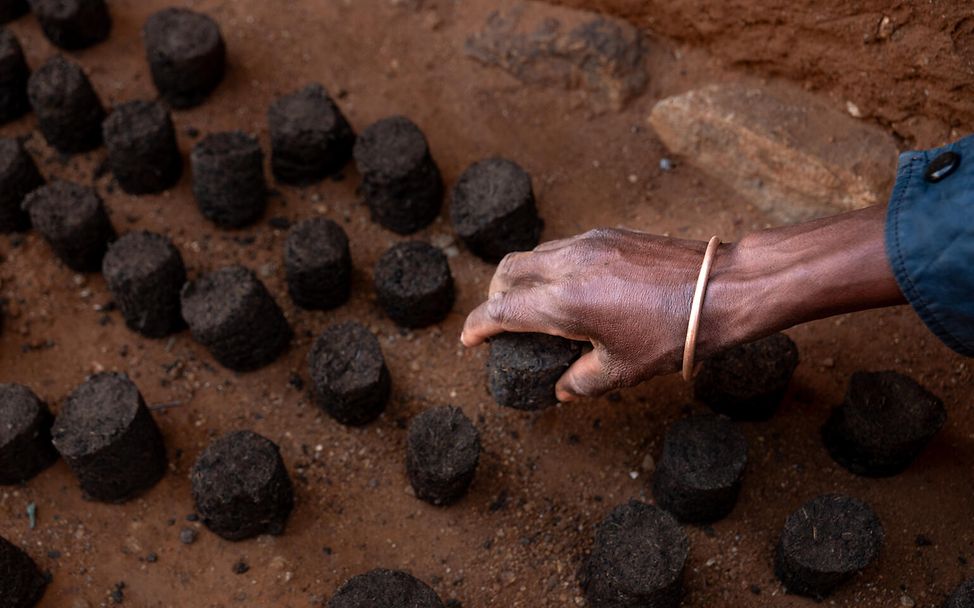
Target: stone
column 786, row 151
column 566, row 49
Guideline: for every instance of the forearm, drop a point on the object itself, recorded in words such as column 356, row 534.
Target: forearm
column 778, row 278
column 629, row 293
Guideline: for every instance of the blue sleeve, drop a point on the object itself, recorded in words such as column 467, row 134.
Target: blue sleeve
column 930, row 239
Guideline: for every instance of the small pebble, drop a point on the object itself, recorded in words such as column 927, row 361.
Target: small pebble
column 187, row 536
column 118, row 593
column 240, row 567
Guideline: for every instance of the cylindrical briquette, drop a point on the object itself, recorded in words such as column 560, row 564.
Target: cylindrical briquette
column 748, row 381
column 11, row 9
column 637, row 560
column 962, row 597
column 186, row 55
column 108, row 438
column 442, row 452
column 142, row 150
column 492, row 209
column 386, row 589
column 825, row 542
column 318, row 264
column 351, row 380
column 73, row 24
column 73, row 220
column 228, row 178
column 400, row 181
column 241, row 487
column 233, row 315
column 310, row 137
column 145, row 272
column 68, row 110
column 18, row 178
column 523, row 368
column 21, row 582
column 883, row 424
column 25, row 434
column 14, row 74
column 698, row 476
column 414, row 284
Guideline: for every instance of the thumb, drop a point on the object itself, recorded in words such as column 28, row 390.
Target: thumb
column 586, row 377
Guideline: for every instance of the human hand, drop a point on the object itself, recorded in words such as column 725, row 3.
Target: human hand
column 627, row 293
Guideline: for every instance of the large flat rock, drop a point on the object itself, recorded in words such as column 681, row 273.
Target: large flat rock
column 908, row 64
column 786, row 151
column 571, row 49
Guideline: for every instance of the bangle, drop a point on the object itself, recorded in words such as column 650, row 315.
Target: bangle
column 696, row 306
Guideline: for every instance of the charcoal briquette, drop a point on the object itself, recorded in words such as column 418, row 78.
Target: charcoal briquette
column 825, row 542
column 637, row 561
column 382, row 588
column 318, row 264
column 21, row 582
column 310, row 137
column 73, row 220
column 73, row 24
column 442, row 452
column 241, row 487
column 145, row 272
column 14, row 74
column 11, row 9
column 25, row 434
column 108, row 438
column 228, row 178
column 18, row 178
column 523, row 368
column 232, row 314
column 69, row 112
column 883, row 424
column 493, row 211
column 748, row 381
column 186, row 55
column 962, row 596
column 698, row 476
column 400, row 181
column 142, row 150
column 349, row 373
column 414, row 284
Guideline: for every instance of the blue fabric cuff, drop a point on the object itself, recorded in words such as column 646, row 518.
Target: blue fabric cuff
column 930, row 243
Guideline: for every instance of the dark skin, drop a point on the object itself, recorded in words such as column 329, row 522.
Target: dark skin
column 629, row 293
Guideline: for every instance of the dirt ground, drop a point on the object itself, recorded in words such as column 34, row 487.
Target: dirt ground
column 544, row 479
column 906, row 64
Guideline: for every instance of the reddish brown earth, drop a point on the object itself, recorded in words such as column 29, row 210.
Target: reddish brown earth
column 906, row 64
column 545, row 479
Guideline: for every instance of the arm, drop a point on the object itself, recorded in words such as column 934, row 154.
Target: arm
column 629, row 293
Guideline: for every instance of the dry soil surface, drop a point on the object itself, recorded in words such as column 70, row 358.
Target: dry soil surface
column 545, row 479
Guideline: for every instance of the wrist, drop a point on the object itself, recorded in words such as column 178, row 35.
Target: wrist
column 774, row 279
column 735, row 306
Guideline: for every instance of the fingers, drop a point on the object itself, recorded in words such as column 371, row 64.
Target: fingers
column 556, row 244
column 526, row 267
column 504, row 275
column 518, row 310
column 587, row 377
column 519, row 269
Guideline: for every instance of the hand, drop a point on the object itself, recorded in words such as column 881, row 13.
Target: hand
column 627, row 293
